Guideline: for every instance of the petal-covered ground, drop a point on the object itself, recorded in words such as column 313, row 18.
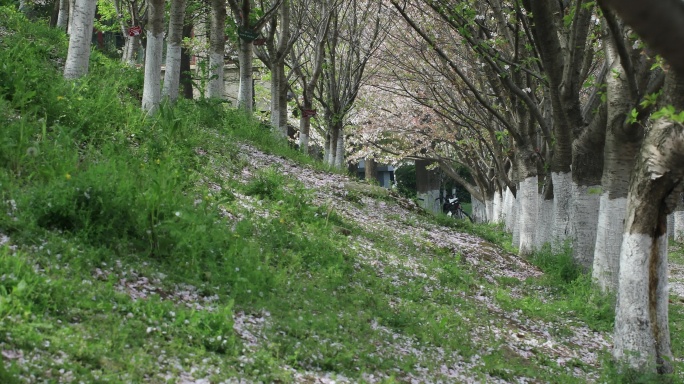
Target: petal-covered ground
column 568, row 345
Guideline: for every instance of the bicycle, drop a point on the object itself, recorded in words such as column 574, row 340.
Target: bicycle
column 452, row 208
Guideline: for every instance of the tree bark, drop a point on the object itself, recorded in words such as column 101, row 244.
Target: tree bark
column 621, row 148
column 63, row 15
column 173, row 50
column 587, row 160
column 642, row 337
column 246, row 92
column 371, row 170
column 78, row 55
column 660, row 23
column 153, row 57
column 217, row 47
column 678, row 216
column 185, row 74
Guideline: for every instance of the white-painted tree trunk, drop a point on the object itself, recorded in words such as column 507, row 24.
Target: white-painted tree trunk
column 275, row 101
column 173, row 50
column 642, row 335
column 151, row 97
column 497, row 205
column 339, row 152
column 215, row 86
column 562, row 195
column 544, row 221
column 583, row 223
column 246, row 92
column 78, row 55
column 515, row 219
column 609, row 231
column 63, row 15
column 70, row 21
column 489, row 211
column 528, row 195
column 131, row 48
column 479, row 210
column 217, row 47
column 670, row 226
column 508, row 211
column 678, row 221
column 678, row 225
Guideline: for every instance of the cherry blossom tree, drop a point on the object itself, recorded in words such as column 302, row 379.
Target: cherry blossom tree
column 249, row 25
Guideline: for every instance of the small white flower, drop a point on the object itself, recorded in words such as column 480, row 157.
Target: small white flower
column 178, row 214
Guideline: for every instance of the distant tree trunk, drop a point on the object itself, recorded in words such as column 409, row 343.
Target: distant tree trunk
column 217, row 47
column 78, row 55
column 246, row 92
column 185, row 75
column 587, row 160
column 678, row 216
column 562, row 195
column 497, row 205
column 153, row 57
column 70, row 21
column 282, row 104
column 63, row 15
column 339, row 151
column 371, row 170
column 305, row 123
column 528, row 214
column 545, row 215
column 173, row 50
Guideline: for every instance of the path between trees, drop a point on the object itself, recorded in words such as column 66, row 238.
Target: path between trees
column 569, row 343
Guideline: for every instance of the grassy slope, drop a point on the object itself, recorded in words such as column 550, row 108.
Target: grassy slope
column 153, row 249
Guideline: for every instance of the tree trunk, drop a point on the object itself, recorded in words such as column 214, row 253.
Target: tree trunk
column 63, row 15
column 508, row 210
column 153, row 57
column 562, row 196
column 497, row 205
column 246, row 93
column 282, row 104
column 70, row 21
column 620, row 152
column 217, row 47
column 131, row 49
column 339, row 151
column 587, row 165
column 528, row 195
column 78, row 55
column 185, row 75
column 173, row 50
column 275, row 99
column 515, row 218
column 678, row 218
column 544, row 220
column 642, row 336
column 371, row 170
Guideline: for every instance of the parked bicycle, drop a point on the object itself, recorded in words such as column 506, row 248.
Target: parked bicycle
column 452, row 207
